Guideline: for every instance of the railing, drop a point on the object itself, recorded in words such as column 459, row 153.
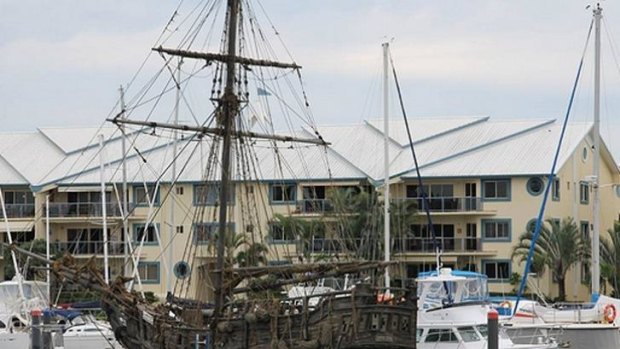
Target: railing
column 314, row 206
column 85, row 209
column 115, row 248
column 435, row 204
column 19, row 210
column 447, row 244
column 448, row 204
column 320, row 245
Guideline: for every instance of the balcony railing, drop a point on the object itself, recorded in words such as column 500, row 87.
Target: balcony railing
column 85, row 209
column 448, row 204
column 320, row 245
column 314, row 206
column 447, row 244
column 115, row 248
column 19, row 210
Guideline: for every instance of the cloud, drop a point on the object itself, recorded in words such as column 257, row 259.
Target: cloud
column 87, row 52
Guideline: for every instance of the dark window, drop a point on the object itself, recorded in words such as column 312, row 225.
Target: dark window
column 142, row 196
column 496, row 270
column 149, row 234
column 584, row 193
column 209, row 194
column 282, row 193
column 278, row 233
column 206, row 232
column 496, row 189
column 556, row 189
column 535, row 186
column 496, row 229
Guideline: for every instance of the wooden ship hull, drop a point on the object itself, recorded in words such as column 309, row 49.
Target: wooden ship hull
column 348, row 321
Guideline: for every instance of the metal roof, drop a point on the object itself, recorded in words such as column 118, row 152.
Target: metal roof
column 446, row 147
column 30, row 154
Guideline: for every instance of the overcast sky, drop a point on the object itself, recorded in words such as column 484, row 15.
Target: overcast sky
column 62, row 62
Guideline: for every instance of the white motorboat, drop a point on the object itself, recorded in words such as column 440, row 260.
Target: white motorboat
column 453, row 309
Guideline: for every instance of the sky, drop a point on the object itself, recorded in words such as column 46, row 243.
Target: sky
column 62, row 62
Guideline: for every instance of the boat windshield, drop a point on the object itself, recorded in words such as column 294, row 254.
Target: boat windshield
column 32, row 290
column 435, row 291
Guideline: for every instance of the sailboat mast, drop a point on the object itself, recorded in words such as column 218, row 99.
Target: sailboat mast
column 175, row 151
column 127, row 268
column 228, row 109
column 106, row 273
column 597, row 153
column 386, row 156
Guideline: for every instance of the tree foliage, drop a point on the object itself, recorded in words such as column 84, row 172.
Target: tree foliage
column 559, row 247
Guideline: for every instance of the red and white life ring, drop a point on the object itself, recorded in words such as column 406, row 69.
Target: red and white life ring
column 609, row 313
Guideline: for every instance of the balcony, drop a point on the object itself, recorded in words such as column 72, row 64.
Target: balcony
column 426, row 245
column 422, row 245
column 19, row 210
column 319, row 206
column 448, row 204
column 76, row 248
column 85, row 209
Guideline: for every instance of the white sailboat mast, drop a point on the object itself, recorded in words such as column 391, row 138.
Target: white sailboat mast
column 386, row 156
column 173, row 179
column 103, row 212
column 597, row 153
column 126, row 249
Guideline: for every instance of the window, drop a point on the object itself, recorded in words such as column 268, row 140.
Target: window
column 423, row 239
column 555, row 189
column 279, row 234
column 84, row 241
column 149, row 234
column 282, row 193
column 440, row 335
column 496, row 229
column 179, row 229
column 584, row 193
column 149, row 272
column 205, row 233
column 535, row 186
column 182, row 270
column 496, row 270
column 179, row 190
column 496, row 189
column 20, row 236
column 140, row 195
column 209, row 194
column 468, row 334
column 18, row 197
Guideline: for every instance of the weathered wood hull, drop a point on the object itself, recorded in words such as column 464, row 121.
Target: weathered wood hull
column 355, row 321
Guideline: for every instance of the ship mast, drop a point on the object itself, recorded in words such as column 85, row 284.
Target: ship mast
column 597, row 154
column 229, row 104
column 227, row 108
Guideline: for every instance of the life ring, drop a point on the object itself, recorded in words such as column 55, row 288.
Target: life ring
column 505, row 305
column 609, row 313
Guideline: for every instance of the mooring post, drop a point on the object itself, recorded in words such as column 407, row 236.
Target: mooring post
column 493, row 323
column 46, row 334
column 35, row 333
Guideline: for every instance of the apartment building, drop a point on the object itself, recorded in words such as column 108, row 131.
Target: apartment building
column 485, row 179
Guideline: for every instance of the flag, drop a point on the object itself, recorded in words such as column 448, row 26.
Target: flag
column 262, row 92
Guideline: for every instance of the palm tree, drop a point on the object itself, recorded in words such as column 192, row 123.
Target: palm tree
column 610, row 257
column 558, row 249
column 253, row 256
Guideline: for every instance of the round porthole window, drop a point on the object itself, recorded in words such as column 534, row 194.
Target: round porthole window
column 182, row 270
column 535, row 186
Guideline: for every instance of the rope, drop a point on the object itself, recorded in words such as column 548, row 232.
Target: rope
column 425, row 200
column 550, row 177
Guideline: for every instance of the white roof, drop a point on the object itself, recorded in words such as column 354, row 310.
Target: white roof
column 445, row 147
